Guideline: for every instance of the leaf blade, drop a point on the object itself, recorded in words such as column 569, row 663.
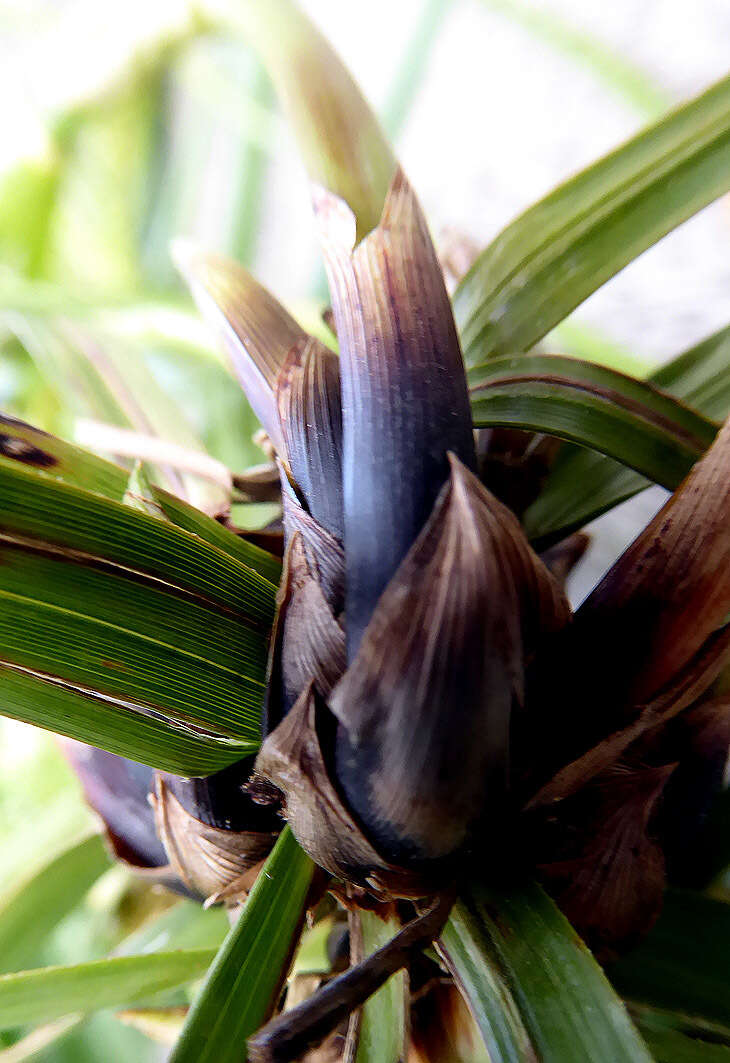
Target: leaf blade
column 560, row 250
column 683, row 962
column 339, row 137
column 595, row 407
column 699, row 376
column 245, row 979
column 383, row 1024
column 32, row 908
column 32, row 997
column 565, row 1002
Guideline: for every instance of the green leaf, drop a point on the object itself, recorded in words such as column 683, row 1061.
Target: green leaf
column 40, row 1039
column 104, row 376
column 671, row 1045
column 253, row 169
column 40, row 996
column 27, row 200
column 312, row 953
column 468, row 955
column 343, row 147
column 594, row 406
column 63, row 461
column 562, row 249
column 583, row 484
column 107, row 160
column 413, row 65
column 701, row 375
column 34, row 506
column 683, row 964
column 246, row 978
column 384, row 1019
column 131, row 640
column 187, row 925
column 525, row 946
column 119, row 728
column 58, row 460
column 34, row 906
column 114, row 615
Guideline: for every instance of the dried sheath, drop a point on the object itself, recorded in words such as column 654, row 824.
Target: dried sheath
column 444, row 600
column 416, row 733
column 290, row 378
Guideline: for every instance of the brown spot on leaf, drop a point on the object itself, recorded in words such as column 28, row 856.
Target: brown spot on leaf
column 21, row 450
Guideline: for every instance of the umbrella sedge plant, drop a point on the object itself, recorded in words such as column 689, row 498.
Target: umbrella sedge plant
column 393, row 670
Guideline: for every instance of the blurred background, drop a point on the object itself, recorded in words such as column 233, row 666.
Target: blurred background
column 126, row 125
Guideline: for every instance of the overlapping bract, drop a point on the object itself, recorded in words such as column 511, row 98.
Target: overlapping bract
column 388, row 765
column 419, row 676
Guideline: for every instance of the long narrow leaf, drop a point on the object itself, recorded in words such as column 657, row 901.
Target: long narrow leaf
column 119, row 727
column 39, row 508
column 130, row 639
column 244, row 983
column 699, row 376
column 102, row 376
column 55, row 459
column 383, row 1025
column 339, row 137
column 669, row 1044
column 113, row 614
column 484, row 985
column 612, row 68
column 565, row 1002
column 684, row 963
column 566, row 246
column 32, row 908
column 187, row 925
column 594, row 406
column 413, row 65
column 51, row 992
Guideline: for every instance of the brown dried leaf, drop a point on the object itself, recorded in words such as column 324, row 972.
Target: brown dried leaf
column 606, row 871
column 260, row 483
column 310, row 412
column 425, row 707
column 292, row 760
column 256, row 330
column 514, row 464
column 649, row 622
column 443, row 1029
column 700, row 741
column 562, row 558
column 404, row 396
column 308, row 644
column 671, row 589
column 680, row 693
column 324, row 552
column 216, row 864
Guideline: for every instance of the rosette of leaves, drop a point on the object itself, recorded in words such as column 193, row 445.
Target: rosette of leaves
column 435, row 725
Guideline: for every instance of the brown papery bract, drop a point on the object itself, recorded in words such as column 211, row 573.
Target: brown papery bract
column 256, row 331
column 670, row 590
column 606, row 869
column 310, row 412
column 652, row 632
column 414, row 747
column 308, row 644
